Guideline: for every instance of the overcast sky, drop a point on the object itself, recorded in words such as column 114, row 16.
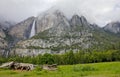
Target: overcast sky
column 96, row 11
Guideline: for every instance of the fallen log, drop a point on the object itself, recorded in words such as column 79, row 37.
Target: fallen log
column 26, row 66
column 18, row 66
column 7, row 65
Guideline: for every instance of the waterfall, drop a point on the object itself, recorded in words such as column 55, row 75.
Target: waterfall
column 32, row 33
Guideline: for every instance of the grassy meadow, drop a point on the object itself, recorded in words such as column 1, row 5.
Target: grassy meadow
column 107, row 69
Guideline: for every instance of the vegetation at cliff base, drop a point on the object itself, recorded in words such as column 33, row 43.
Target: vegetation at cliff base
column 69, row 58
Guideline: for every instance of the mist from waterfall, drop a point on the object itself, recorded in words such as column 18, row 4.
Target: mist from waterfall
column 32, row 33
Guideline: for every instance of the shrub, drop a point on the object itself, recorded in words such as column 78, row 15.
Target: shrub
column 87, row 68
column 83, row 68
column 38, row 68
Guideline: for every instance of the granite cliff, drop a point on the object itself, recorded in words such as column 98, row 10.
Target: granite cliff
column 55, row 34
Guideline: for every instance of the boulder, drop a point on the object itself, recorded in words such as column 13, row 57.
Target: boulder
column 50, row 67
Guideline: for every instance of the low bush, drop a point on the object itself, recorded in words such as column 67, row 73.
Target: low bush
column 83, row 68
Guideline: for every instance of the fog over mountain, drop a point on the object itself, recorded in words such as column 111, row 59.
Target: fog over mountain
column 96, row 11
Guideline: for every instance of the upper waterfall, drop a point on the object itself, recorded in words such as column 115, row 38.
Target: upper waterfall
column 32, row 33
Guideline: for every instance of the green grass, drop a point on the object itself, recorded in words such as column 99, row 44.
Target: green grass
column 108, row 69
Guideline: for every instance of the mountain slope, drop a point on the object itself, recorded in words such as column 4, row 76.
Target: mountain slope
column 51, row 19
column 113, row 27
column 3, row 42
column 56, row 34
column 22, row 30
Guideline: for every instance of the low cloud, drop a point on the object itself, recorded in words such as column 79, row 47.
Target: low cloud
column 96, row 11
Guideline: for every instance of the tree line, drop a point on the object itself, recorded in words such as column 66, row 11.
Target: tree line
column 70, row 58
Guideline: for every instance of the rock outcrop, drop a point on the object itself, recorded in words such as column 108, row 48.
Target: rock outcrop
column 3, row 42
column 113, row 27
column 52, row 19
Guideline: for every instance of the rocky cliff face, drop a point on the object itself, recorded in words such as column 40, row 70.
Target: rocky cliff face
column 52, row 19
column 22, row 30
column 56, row 34
column 113, row 27
column 79, row 21
column 3, row 42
